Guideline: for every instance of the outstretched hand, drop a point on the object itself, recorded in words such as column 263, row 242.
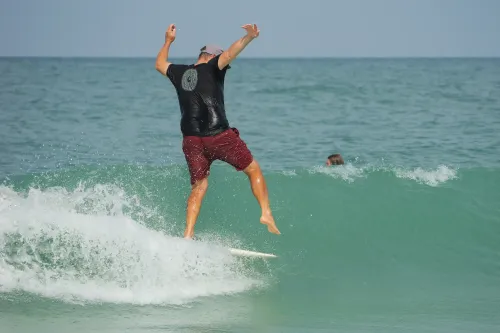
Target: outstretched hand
column 252, row 30
column 170, row 33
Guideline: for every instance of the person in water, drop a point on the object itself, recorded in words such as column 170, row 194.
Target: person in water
column 207, row 135
column 334, row 159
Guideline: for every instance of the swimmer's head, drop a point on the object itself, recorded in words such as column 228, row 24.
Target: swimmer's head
column 334, row 159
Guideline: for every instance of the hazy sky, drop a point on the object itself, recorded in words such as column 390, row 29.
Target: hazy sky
column 339, row 28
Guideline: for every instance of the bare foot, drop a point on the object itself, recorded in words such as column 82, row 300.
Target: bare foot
column 271, row 225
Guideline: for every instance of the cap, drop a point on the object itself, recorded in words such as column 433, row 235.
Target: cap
column 212, row 49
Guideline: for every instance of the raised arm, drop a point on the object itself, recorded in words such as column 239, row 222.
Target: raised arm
column 162, row 62
column 232, row 52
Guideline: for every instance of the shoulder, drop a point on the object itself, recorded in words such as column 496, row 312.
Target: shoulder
column 215, row 62
column 176, row 67
column 174, row 70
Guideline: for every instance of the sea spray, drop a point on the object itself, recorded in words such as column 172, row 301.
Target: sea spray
column 78, row 246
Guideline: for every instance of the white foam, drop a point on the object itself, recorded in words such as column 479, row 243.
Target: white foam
column 429, row 177
column 347, row 172
column 289, row 173
column 80, row 246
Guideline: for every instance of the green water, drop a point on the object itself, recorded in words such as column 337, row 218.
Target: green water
column 403, row 238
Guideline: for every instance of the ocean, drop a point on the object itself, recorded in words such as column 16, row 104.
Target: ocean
column 404, row 237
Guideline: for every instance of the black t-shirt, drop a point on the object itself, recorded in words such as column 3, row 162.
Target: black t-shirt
column 200, row 90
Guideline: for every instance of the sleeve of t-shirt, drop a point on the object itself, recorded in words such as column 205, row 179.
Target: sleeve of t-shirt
column 215, row 62
column 173, row 73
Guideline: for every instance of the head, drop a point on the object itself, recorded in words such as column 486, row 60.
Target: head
column 209, row 52
column 334, row 159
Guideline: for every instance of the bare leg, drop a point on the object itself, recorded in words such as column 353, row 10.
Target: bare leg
column 259, row 189
column 194, row 205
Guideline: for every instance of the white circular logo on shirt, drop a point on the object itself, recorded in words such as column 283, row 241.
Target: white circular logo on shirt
column 189, row 79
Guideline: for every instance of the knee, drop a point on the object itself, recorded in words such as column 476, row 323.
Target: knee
column 252, row 168
column 200, row 185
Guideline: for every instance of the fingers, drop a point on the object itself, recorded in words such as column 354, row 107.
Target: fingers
column 251, row 29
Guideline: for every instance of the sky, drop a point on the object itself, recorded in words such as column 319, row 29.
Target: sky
column 311, row 28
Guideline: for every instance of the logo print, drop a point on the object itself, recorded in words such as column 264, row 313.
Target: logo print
column 189, row 79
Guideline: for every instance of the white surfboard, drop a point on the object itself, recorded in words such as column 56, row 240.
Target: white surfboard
column 246, row 253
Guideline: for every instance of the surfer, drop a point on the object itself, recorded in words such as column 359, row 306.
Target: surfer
column 206, row 133
column 334, row 159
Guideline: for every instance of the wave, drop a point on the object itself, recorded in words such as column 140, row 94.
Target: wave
column 111, row 234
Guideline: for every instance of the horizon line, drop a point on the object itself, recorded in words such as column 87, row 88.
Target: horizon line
column 253, row 58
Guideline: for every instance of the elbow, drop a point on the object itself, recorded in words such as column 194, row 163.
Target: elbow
column 159, row 66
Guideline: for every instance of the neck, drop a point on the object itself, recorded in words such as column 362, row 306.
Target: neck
column 201, row 61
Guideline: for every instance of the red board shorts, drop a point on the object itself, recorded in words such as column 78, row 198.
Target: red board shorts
column 227, row 146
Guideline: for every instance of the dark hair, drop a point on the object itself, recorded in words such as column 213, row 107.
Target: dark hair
column 336, row 159
column 203, row 54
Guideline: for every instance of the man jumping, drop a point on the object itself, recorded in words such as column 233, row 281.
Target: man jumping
column 207, row 135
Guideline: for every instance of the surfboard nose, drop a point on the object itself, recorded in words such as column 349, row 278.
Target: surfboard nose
column 246, row 253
